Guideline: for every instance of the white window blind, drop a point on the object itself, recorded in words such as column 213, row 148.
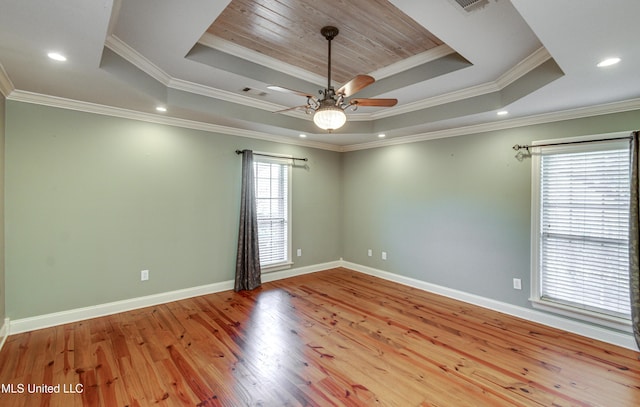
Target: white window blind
column 583, row 231
column 272, row 204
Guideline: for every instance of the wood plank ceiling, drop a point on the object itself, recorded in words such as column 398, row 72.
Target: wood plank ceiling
column 373, row 33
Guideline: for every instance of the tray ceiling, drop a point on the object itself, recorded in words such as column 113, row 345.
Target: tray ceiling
column 210, row 63
column 373, row 33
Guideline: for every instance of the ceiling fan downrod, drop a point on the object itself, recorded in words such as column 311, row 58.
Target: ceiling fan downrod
column 329, row 32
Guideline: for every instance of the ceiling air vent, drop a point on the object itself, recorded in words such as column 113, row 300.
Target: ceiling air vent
column 471, row 5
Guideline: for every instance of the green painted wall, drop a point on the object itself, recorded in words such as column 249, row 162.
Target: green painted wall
column 91, row 200
column 2, row 279
column 453, row 212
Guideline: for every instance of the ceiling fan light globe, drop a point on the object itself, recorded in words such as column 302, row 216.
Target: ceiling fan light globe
column 329, row 118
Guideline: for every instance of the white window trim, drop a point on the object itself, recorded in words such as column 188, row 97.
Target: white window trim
column 280, row 159
column 537, row 302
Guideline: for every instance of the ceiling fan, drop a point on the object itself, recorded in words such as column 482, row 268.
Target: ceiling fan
column 328, row 111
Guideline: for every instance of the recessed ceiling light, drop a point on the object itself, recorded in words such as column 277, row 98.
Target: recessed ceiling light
column 503, row 113
column 382, row 135
column 56, row 56
column 161, row 109
column 608, row 62
column 303, row 136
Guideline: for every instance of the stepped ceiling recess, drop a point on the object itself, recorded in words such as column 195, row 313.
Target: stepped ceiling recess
column 209, row 63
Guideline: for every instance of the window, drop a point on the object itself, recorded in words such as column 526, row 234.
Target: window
column 272, row 177
column 580, row 231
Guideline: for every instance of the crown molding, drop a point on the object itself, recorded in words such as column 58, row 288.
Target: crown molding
column 212, row 41
column 88, row 107
column 196, row 88
column 207, row 91
column 537, row 58
column 220, row 44
column 413, row 61
column 115, row 15
column 6, row 86
column 445, row 98
column 123, row 49
column 569, row 114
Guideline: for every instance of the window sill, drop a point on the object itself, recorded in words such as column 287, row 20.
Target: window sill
column 276, row 267
column 607, row 321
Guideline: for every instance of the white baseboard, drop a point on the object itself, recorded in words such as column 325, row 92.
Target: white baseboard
column 94, row 311
column 74, row 315
column 79, row 314
column 4, row 332
column 589, row 331
column 282, row 274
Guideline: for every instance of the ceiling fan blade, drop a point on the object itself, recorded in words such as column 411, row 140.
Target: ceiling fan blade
column 374, row 102
column 356, row 84
column 287, row 90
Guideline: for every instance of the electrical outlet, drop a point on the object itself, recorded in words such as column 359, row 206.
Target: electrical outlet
column 517, row 284
column 369, row 252
column 299, row 252
column 384, row 255
column 144, row 275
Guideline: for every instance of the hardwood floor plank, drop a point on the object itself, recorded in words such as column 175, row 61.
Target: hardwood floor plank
column 334, row 338
column 386, row 342
column 489, row 345
column 177, row 391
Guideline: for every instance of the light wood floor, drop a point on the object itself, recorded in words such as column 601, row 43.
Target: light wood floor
column 334, row 338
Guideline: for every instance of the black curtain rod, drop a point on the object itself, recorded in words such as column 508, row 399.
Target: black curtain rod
column 275, row 156
column 518, row 147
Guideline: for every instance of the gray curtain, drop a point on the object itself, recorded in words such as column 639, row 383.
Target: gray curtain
column 634, row 239
column 248, row 257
